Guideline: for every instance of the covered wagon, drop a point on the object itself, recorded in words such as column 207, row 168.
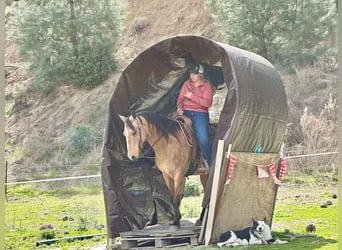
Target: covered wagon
column 250, row 115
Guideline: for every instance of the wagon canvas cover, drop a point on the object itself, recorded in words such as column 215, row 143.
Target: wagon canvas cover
column 253, row 113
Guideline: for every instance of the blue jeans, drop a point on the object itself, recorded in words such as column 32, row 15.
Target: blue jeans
column 200, row 124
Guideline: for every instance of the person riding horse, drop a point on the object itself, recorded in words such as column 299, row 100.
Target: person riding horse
column 194, row 100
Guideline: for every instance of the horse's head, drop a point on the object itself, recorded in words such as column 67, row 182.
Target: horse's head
column 135, row 135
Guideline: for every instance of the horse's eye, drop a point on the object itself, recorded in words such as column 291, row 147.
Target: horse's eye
column 134, row 132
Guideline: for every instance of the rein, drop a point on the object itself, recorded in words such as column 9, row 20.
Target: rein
column 140, row 142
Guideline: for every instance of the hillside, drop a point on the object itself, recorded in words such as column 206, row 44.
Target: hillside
column 36, row 122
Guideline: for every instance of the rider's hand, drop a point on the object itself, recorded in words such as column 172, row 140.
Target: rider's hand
column 180, row 111
column 188, row 94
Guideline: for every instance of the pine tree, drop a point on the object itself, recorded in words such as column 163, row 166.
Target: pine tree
column 66, row 41
column 285, row 32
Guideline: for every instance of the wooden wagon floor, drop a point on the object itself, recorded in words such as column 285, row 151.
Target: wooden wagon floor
column 160, row 236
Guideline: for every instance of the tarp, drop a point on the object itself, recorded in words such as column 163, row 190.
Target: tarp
column 248, row 195
column 252, row 115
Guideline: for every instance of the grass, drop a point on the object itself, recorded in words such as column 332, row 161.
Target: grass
column 300, row 204
column 77, row 212
column 68, row 215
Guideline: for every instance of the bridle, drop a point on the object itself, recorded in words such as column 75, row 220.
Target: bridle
column 140, row 126
column 138, row 130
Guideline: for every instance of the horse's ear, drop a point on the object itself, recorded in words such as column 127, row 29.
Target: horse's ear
column 133, row 114
column 123, row 118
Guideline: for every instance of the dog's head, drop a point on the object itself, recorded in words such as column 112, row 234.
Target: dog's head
column 261, row 229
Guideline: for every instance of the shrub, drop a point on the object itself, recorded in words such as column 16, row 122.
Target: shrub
column 78, row 140
column 138, row 24
column 191, row 189
column 48, row 234
column 319, row 135
column 321, row 131
column 308, row 89
column 93, row 64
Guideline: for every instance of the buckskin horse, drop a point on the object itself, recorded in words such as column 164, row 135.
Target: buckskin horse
column 172, row 149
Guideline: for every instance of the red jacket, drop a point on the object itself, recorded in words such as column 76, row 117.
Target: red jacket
column 200, row 100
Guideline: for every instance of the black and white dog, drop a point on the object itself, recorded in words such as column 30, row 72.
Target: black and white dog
column 258, row 234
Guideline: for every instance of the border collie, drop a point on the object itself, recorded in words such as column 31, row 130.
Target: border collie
column 258, row 234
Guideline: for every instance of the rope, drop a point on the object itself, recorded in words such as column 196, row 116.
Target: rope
column 309, row 155
column 54, row 179
column 98, row 175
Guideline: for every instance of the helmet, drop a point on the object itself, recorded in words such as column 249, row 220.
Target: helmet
column 197, row 69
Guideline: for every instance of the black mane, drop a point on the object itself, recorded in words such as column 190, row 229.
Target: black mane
column 163, row 124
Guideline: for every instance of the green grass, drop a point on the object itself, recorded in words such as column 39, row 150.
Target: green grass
column 300, row 204
column 27, row 210
column 25, row 215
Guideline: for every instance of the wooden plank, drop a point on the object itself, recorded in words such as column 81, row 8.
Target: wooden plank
column 158, row 242
column 126, row 244
column 112, row 244
column 142, row 248
column 193, row 241
column 143, row 239
column 157, row 233
column 160, row 236
column 214, row 189
column 204, row 223
column 162, row 242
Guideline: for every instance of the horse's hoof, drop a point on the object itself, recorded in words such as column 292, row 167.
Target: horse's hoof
column 198, row 223
column 174, row 227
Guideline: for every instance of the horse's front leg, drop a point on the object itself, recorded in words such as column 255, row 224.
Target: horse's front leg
column 171, row 187
column 179, row 184
column 169, row 184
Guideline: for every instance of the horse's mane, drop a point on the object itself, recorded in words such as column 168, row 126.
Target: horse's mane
column 163, row 124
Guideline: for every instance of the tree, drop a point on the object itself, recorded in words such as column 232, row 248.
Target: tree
column 66, row 41
column 285, row 32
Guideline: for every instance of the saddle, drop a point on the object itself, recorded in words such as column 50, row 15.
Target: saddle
column 197, row 163
column 185, row 124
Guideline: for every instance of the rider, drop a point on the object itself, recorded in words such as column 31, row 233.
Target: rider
column 194, row 100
